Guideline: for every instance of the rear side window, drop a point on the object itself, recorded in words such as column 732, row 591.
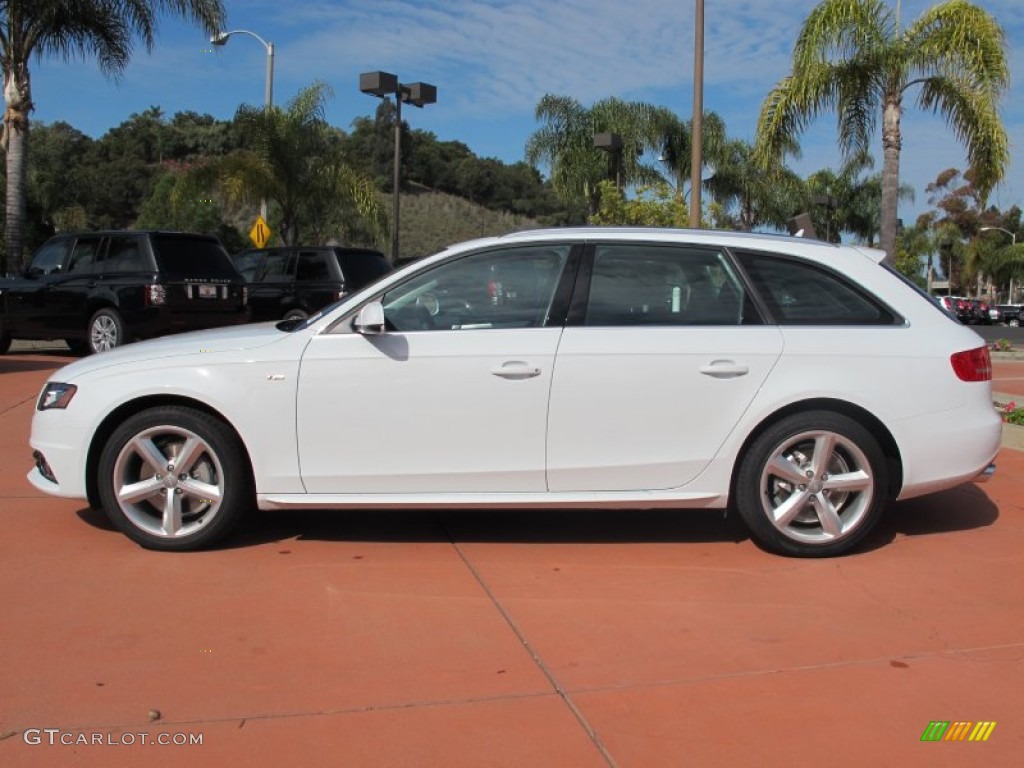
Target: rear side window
column 124, row 254
column 313, row 266
column 194, row 257
column 638, row 284
column 800, row 293
column 362, row 268
column 278, row 267
column 84, row 256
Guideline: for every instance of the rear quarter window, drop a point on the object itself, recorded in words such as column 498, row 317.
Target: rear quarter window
column 193, row 257
column 800, row 293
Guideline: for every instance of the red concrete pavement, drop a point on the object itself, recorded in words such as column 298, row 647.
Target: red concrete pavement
column 1008, row 376
column 505, row 638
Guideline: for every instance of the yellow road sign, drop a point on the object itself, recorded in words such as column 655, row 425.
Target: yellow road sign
column 260, row 232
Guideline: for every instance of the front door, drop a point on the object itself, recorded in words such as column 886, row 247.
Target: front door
column 452, row 397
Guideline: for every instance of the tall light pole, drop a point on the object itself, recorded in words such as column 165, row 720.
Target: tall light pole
column 1013, row 243
column 382, row 85
column 697, row 153
column 221, row 38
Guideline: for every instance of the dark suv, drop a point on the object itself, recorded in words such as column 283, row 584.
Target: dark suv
column 99, row 290
column 296, row 281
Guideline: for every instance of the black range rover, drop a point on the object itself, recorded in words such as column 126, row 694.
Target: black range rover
column 296, row 281
column 99, row 290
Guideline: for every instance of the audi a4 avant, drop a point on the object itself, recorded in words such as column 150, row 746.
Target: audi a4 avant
column 800, row 384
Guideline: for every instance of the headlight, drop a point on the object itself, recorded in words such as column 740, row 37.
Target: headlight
column 55, row 395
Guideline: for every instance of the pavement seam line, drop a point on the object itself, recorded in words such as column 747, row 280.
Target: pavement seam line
column 562, row 693
column 17, row 404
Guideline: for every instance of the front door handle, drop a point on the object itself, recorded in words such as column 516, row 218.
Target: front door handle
column 724, row 369
column 516, row 369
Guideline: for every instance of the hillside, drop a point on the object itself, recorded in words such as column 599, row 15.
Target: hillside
column 432, row 220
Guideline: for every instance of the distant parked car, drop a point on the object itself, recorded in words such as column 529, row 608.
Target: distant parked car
column 1010, row 314
column 296, row 281
column 99, row 290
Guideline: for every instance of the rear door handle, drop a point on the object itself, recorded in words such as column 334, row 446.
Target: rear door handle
column 515, row 369
column 724, row 369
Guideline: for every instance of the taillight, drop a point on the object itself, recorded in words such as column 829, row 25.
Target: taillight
column 972, row 365
column 156, row 295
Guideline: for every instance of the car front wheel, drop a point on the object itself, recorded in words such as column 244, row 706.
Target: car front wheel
column 173, row 478
column 106, row 330
column 812, row 485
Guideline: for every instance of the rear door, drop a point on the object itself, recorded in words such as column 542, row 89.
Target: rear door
column 203, row 288
column 663, row 353
column 65, row 299
column 316, row 283
column 269, row 292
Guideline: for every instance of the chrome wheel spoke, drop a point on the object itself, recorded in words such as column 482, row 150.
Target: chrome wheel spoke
column 849, row 482
column 200, row 491
column 786, row 469
column 171, row 522
column 135, row 492
column 786, row 512
column 189, row 453
column 824, row 447
column 831, row 524
column 147, row 450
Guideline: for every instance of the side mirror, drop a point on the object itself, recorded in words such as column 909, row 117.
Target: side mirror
column 370, row 320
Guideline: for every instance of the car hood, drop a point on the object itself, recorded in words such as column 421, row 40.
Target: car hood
column 197, row 343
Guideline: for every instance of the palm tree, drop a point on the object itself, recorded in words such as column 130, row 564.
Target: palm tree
column 100, row 28
column 759, row 198
column 676, row 143
column 852, row 57
column 565, row 143
column 294, row 159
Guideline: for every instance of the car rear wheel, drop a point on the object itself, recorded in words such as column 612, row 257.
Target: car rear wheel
column 174, row 479
column 295, row 314
column 1013, row 322
column 106, row 330
column 812, row 485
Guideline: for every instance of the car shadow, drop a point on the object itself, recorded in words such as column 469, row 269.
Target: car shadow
column 960, row 509
column 25, row 364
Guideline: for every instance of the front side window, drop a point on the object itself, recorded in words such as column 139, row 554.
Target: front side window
column 640, row 284
column 50, row 258
column 801, row 293
column 84, row 255
column 509, row 288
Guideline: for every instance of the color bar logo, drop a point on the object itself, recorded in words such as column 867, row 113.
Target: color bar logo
column 944, row 730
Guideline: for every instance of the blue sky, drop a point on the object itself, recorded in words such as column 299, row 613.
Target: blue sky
column 492, row 60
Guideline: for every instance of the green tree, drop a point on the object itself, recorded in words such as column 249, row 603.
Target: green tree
column 655, row 206
column 565, row 144
column 294, row 159
column 852, row 57
column 748, row 195
column 84, row 28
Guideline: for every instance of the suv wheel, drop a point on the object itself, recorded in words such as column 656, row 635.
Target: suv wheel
column 812, row 485
column 106, row 330
column 295, row 314
column 174, row 479
column 1013, row 322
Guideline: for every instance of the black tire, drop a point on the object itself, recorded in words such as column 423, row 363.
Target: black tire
column 856, row 500
column 1014, row 322
column 295, row 314
column 105, row 331
column 171, row 514
column 77, row 346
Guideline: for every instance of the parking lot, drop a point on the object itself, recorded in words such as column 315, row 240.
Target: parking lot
column 502, row 638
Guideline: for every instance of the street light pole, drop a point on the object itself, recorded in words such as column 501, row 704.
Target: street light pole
column 221, row 38
column 1013, row 244
column 381, row 85
column 697, row 150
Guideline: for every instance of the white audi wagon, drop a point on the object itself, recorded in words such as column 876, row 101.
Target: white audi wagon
column 801, row 384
